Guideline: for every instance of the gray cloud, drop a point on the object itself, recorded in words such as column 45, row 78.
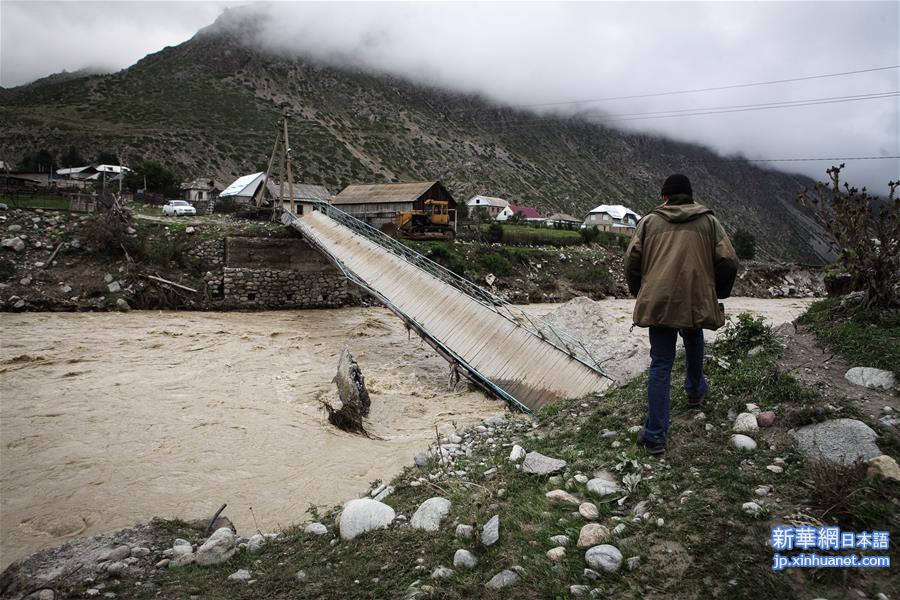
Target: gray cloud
column 535, row 53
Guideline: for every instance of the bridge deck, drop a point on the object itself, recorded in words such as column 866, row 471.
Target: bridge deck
column 524, row 366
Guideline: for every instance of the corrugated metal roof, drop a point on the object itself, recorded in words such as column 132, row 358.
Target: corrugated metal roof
column 111, row 168
column 616, row 211
column 563, row 217
column 240, row 184
column 383, row 193
column 487, row 201
column 302, row 191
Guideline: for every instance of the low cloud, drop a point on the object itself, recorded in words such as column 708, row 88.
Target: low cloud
column 527, row 54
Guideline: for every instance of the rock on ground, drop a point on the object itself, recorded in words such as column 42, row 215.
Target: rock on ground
column 742, row 442
column 561, row 497
column 604, row 558
column 441, row 573
column 502, row 579
column 362, row 515
column 240, row 575
column 316, row 529
column 430, row 514
column 589, row 511
column 463, row 559
column 745, row 423
column 517, row 453
column 842, row 441
column 874, row 379
column 217, row 549
column 465, row 532
column 490, row 533
column 256, row 542
column 765, row 419
column 560, row 540
column 592, row 534
column 537, row 464
column 603, row 486
column 556, row 554
column 885, row 466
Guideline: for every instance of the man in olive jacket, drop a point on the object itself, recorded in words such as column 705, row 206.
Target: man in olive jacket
column 678, row 264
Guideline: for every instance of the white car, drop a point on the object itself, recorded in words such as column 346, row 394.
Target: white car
column 176, row 208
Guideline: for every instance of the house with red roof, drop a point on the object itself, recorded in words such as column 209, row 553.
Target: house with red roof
column 527, row 213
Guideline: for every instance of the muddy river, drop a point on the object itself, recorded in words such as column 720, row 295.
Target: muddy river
column 109, row 419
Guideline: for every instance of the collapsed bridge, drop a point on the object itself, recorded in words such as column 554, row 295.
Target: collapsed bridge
column 513, row 356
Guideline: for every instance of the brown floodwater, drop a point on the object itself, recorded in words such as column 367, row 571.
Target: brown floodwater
column 109, row 419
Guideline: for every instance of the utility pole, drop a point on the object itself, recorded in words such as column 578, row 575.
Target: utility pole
column 265, row 185
column 287, row 158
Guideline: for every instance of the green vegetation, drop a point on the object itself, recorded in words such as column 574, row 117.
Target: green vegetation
column 868, row 338
column 46, row 201
column 864, row 230
column 744, row 244
column 697, row 542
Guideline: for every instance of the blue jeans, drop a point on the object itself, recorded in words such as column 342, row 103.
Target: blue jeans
column 662, row 357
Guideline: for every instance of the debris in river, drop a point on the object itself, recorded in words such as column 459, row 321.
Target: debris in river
column 354, row 397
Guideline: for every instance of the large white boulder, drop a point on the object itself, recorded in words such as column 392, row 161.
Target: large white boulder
column 875, row 379
column 430, row 514
column 362, row 515
column 217, row 549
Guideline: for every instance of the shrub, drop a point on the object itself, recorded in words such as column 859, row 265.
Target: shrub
column 865, row 237
column 744, row 244
column 494, row 233
column 495, row 263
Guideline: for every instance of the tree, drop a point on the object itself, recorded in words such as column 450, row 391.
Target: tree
column 71, row 158
column 866, row 237
column 159, row 179
column 744, row 244
column 38, row 162
column 106, row 158
column 494, row 233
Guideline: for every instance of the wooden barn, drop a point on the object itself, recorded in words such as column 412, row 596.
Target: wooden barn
column 378, row 204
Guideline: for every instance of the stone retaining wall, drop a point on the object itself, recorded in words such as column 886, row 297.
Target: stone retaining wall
column 275, row 288
column 271, row 273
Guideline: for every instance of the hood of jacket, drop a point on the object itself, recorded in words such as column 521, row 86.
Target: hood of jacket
column 681, row 213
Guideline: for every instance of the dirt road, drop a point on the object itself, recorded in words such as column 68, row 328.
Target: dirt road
column 108, row 419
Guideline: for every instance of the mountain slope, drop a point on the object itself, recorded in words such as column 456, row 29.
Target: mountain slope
column 210, row 106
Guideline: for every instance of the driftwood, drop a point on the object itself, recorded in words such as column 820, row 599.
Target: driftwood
column 172, row 283
column 354, row 397
column 52, row 256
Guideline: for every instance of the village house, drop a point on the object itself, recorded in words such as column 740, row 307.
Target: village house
column 378, row 204
column 563, row 221
column 612, row 217
column 201, row 189
column 493, row 206
column 527, row 214
column 244, row 190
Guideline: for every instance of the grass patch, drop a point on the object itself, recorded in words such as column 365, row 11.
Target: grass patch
column 48, row 202
column 868, row 338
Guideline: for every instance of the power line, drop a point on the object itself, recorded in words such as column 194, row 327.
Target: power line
column 808, row 159
column 696, row 90
column 689, row 112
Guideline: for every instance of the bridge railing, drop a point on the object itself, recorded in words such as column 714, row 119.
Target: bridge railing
column 534, row 325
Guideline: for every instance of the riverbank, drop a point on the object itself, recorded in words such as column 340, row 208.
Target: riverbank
column 695, row 522
column 180, row 411
column 68, row 262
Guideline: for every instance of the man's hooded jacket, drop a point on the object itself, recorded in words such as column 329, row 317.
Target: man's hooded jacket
column 678, row 264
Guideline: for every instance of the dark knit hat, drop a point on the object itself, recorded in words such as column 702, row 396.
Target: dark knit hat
column 676, row 184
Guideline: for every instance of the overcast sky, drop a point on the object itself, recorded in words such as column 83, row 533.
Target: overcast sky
column 551, row 53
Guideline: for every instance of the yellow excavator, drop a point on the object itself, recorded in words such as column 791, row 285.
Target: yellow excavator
column 431, row 223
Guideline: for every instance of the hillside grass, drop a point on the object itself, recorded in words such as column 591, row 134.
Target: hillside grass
column 869, row 338
column 696, row 543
